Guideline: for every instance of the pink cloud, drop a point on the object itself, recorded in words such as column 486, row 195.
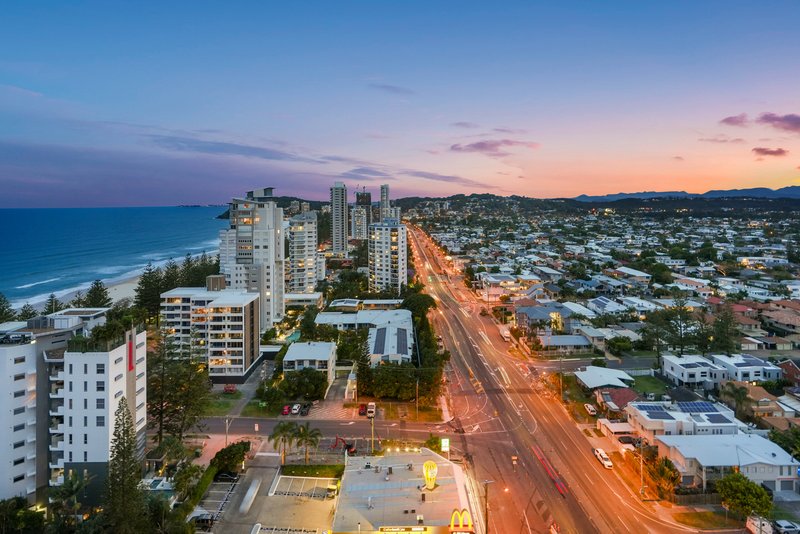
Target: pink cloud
column 761, row 151
column 493, row 148
column 789, row 122
column 735, row 120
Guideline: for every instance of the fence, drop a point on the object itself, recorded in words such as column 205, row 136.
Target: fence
column 699, row 498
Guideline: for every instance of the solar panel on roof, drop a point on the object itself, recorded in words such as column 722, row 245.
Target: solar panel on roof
column 696, row 407
column 380, row 341
column 717, row 418
column 690, row 365
column 402, row 341
column 664, row 416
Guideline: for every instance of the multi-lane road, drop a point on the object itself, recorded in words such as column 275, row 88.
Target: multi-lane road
column 555, row 477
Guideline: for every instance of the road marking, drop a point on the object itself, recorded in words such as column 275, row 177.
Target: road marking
column 504, row 375
column 485, row 337
column 347, row 424
column 465, row 312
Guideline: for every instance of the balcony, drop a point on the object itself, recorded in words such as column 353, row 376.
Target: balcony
column 56, row 442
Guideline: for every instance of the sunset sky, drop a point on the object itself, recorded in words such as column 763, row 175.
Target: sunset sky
column 159, row 103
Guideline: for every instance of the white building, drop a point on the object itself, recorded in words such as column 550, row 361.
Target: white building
column 359, row 219
column 692, row 371
column 251, row 252
column 87, row 382
column 317, row 355
column 703, row 458
column 339, row 216
column 746, row 368
column 303, row 253
column 222, row 325
column 388, row 262
column 653, row 419
column 390, row 344
column 385, row 203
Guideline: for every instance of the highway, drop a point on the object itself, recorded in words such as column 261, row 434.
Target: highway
column 556, row 476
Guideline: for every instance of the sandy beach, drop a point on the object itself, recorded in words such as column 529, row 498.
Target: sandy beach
column 117, row 290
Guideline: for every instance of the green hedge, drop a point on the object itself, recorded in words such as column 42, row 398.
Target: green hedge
column 197, row 493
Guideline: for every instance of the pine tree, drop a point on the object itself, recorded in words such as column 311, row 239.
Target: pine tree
column 171, row 277
column 148, row 291
column 78, row 301
column 97, row 296
column 125, row 510
column 187, row 271
column 6, row 311
column 53, row 304
column 726, row 333
column 26, row 312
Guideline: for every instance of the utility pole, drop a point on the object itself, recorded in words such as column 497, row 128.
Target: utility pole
column 228, row 422
column 372, row 429
column 486, row 505
column 417, row 399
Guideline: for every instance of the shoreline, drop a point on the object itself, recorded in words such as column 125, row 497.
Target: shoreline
column 117, row 290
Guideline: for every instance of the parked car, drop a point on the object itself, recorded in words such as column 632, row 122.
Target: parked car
column 287, row 410
column 627, row 440
column 603, row 458
column 782, row 526
column 371, row 409
column 591, row 410
column 226, row 476
column 362, row 409
column 204, row 522
column 305, row 408
column 296, row 409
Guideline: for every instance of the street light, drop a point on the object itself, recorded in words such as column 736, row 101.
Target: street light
column 228, row 422
column 486, row 505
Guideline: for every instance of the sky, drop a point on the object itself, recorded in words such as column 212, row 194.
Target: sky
column 163, row 103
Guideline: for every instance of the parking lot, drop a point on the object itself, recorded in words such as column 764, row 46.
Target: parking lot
column 313, row 488
column 217, row 499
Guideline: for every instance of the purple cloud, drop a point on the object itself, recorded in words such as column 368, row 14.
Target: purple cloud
column 677, row 158
column 722, row 138
column 393, row 89
column 735, row 120
column 493, row 148
column 789, row 122
column 446, row 178
column 464, row 124
column 221, row 148
column 761, row 151
column 510, row 130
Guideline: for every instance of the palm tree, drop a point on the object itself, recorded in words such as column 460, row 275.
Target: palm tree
column 307, row 437
column 283, row 435
column 65, row 498
column 738, row 395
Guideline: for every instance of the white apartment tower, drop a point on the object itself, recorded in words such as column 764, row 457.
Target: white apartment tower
column 88, row 380
column 251, row 252
column 385, row 203
column 360, row 216
column 388, row 262
column 303, row 253
column 339, row 216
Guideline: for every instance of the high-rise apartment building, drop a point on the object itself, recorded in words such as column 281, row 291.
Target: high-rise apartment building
column 385, row 203
column 251, row 252
column 303, row 253
column 339, row 219
column 221, row 324
column 388, row 261
column 360, row 218
column 88, row 380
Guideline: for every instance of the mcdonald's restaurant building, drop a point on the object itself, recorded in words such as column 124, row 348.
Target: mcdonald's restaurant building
column 417, row 492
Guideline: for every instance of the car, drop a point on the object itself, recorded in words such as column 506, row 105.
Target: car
column 603, row 458
column 204, row 522
column 591, row 410
column 296, row 409
column 305, row 408
column 782, row 526
column 627, row 440
column 371, row 409
column 362, row 409
column 226, row 476
column 286, row 410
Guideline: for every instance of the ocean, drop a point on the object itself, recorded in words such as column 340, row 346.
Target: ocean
column 59, row 251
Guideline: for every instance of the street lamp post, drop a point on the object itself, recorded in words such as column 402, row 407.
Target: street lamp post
column 486, row 505
column 228, row 422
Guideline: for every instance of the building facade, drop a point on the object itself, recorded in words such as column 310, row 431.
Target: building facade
column 339, row 219
column 251, row 252
column 385, row 203
column 388, row 261
column 303, row 253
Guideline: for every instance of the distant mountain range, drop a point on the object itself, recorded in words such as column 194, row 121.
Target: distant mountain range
column 792, row 191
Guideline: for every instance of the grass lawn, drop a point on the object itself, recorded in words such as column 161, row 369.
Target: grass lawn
column 780, row 513
column 649, row 384
column 573, row 391
column 321, row 471
column 407, row 411
column 706, row 520
column 252, row 409
column 641, row 353
column 222, row 403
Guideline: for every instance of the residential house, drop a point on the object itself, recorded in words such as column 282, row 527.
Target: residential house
column 746, row 368
column 692, row 371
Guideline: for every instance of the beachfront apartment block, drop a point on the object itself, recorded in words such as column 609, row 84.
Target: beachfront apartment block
column 222, row 325
column 88, row 381
column 303, row 253
column 317, row 355
column 339, row 219
column 388, row 260
column 251, row 252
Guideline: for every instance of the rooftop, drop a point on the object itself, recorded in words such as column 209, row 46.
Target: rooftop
column 310, row 350
column 729, row 449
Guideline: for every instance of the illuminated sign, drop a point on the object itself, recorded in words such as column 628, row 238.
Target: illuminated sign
column 461, row 522
column 445, row 444
column 429, row 469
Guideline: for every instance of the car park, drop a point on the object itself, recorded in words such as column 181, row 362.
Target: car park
column 362, row 409
column 603, row 458
column 286, row 410
column 591, row 410
column 296, row 409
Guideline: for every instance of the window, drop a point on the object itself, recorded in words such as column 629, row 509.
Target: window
column 17, row 428
column 70, row 403
column 85, row 456
column 70, row 368
column 19, row 410
column 118, row 394
column 100, row 404
column 101, row 368
column 86, row 368
column 19, row 461
column 118, row 377
column 21, row 359
column 69, row 439
column 86, row 439
column 70, row 421
column 101, row 385
column 85, row 404
column 20, row 393
column 85, row 420
column 85, row 385
column 101, row 420
column 70, row 386
column 19, row 478
column 70, row 456
column 19, row 444
column 20, row 376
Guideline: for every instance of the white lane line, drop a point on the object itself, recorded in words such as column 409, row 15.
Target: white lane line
column 504, row 375
column 485, row 337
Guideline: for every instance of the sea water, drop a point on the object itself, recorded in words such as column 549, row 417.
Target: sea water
column 45, row 251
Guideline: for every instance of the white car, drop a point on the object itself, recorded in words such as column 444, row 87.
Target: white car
column 591, row 410
column 782, row 526
column 603, row 458
column 296, row 409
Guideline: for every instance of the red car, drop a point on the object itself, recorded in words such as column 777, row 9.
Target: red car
column 362, row 409
column 287, row 410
